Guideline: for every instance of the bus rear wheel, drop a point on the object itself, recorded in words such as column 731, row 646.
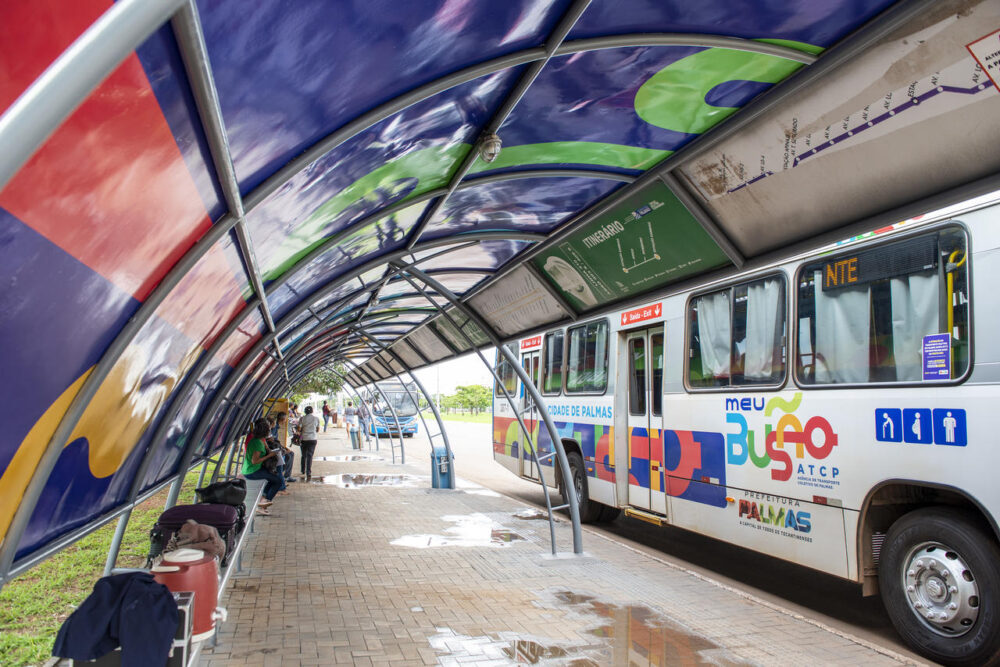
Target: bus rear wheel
column 590, row 511
column 940, row 580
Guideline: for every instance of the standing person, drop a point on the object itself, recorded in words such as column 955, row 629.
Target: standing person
column 326, row 415
column 308, row 429
column 351, row 424
column 253, row 464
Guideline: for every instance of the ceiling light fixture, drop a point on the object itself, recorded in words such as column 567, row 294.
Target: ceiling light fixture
column 489, row 147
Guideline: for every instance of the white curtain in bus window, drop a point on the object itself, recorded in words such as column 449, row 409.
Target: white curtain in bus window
column 915, row 314
column 843, row 333
column 765, row 320
column 714, row 334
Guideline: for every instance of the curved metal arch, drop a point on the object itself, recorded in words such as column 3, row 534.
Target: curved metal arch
column 698, row 40
column 577, row 537
column 191, row 377
column 386, row 259
column 47, row 461
column 416, row 402
column 368, row 288
column 67, row 82
column 476, row 237
column 251, row 354
column 395, row 418
column 528, row 384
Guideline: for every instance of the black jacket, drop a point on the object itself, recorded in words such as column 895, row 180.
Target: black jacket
column 128, row 610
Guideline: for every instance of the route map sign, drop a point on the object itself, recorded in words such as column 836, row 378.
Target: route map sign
column 647, row 241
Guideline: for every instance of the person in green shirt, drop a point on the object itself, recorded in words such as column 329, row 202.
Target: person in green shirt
column 253, row 463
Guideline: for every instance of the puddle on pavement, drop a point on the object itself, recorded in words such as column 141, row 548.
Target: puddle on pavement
column 532, row 514
column 357, row 481
column 610, row 634
column 350, row 458
column 472, row 530
column 474, row 489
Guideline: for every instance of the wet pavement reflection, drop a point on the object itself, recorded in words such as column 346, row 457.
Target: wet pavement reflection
column 357, row 481
column 472, row 530
column 610, row 634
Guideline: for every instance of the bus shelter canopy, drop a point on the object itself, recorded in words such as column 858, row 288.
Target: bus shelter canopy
column 259, row 189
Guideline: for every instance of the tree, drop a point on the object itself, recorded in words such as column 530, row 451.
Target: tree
column 322, row 381
column 473, row 397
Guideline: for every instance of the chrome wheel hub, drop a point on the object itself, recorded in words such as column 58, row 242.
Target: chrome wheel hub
column 941, row 589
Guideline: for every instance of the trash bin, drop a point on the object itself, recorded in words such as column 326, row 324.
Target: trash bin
column 441, row 469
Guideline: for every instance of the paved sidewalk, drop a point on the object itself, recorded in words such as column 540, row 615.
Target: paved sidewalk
column 372, row 566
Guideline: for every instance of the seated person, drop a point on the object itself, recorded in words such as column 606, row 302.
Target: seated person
column 253, row 464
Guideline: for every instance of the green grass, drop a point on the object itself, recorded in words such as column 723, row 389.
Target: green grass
column 33, row 606
column 481, row 418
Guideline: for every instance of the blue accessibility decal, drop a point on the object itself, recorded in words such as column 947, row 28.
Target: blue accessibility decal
column 921, row 426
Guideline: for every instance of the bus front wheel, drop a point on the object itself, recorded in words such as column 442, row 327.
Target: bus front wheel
column 589, row 510
column 940, row 580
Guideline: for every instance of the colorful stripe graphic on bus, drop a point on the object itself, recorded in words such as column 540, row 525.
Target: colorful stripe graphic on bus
column 596, row 442
column 689, row 464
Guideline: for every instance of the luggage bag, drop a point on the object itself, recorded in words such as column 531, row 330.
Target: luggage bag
column 223, row 517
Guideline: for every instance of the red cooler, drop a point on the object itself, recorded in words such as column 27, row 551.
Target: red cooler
column 192, row 570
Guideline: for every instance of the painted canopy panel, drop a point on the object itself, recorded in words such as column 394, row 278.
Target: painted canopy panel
column 486, row 255
column 350, row 251
column 528, row 205
column 111, row 434
column 519, row 302
column 404, row 156
column 127, row 186
column 803, row 20
column 283, row 84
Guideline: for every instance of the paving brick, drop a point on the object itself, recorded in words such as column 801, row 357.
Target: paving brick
column 325, row 583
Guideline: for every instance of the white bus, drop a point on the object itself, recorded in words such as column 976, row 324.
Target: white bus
column 835, row 410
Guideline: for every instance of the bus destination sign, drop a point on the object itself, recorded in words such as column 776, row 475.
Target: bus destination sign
column 913, row 256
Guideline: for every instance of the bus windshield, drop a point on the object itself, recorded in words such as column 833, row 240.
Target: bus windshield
column 401, row 403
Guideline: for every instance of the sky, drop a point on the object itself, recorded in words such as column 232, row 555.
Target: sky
column 447, row 375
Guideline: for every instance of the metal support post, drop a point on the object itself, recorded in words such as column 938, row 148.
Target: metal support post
column 430, row 402
column 510, row 401
column 536, row 396
column 399, row 428
column 116, row 541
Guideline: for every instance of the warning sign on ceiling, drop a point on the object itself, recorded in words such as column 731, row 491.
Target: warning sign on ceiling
column 986, row 51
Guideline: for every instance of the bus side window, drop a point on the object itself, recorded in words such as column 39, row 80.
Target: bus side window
column 736, row 335
column 587, row 358
column 507, row 376
column 552, row 367
column 864, row 316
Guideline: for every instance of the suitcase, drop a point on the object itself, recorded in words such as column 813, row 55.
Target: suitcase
column 223, row 517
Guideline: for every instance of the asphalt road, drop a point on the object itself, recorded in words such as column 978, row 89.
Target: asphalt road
column 823, row 598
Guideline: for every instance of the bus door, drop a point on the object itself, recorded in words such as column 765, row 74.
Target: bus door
column 644, row 358
column 529, row 413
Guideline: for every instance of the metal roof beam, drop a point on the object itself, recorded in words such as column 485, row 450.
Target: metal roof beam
column 191, row 42
column 67, row 82
column 887, row 22
column 559, row 33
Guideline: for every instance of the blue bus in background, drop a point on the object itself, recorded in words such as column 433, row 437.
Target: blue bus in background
column 380, row 421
